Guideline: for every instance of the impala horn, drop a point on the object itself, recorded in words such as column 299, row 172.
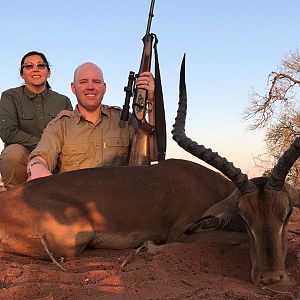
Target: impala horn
column 212, row 158
column 284, row 164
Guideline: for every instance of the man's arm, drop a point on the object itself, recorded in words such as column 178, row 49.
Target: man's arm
column 43, row 159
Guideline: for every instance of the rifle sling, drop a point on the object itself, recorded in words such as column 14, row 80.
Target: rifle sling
column 160, row 121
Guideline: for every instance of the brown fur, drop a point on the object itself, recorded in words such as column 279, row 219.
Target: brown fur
column 116, row 207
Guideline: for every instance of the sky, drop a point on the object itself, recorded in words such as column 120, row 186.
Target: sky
column 231, row 47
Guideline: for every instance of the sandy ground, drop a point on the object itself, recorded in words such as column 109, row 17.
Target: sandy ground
column 196, row 270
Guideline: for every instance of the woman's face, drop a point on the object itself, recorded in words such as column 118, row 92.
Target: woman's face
column 35, row 72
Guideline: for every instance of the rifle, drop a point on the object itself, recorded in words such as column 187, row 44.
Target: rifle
column 149, row 141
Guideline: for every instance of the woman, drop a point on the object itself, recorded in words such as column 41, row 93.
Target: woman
column 24, row 113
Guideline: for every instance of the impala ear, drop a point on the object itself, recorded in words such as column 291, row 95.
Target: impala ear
column 217, row 216
column 294, row 194
column 209, row 222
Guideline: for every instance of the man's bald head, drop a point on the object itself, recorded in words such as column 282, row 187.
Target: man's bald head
column 85, row 67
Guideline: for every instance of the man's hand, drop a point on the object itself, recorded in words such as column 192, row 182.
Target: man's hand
column 146, row 82
column 36, row 168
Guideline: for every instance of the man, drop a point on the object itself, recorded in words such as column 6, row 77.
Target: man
column 89, row 136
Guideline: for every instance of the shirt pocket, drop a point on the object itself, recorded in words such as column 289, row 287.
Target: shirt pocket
column 115, row 151
column 27, row 121
column 118, row 142
column 74, row 155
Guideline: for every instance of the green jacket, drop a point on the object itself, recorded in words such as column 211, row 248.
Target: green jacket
column 24, row 114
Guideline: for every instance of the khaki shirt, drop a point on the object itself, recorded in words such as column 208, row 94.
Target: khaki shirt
column 72, row 142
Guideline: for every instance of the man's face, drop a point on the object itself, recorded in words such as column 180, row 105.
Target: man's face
column 89, row 87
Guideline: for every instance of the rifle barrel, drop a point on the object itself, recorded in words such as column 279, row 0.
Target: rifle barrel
column 150, row 17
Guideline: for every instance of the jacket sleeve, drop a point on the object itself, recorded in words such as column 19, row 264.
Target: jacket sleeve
column 50, row 145
column 10, row 131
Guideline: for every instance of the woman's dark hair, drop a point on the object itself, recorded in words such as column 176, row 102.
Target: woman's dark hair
column 42, row 55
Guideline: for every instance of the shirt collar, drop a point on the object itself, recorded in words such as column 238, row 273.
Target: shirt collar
column 31, row 95
column 104, row 109
column 79, row 116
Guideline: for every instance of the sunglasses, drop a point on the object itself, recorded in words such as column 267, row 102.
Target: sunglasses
column 30, row 66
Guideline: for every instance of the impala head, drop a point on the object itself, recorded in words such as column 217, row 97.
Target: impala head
column 264, row 204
